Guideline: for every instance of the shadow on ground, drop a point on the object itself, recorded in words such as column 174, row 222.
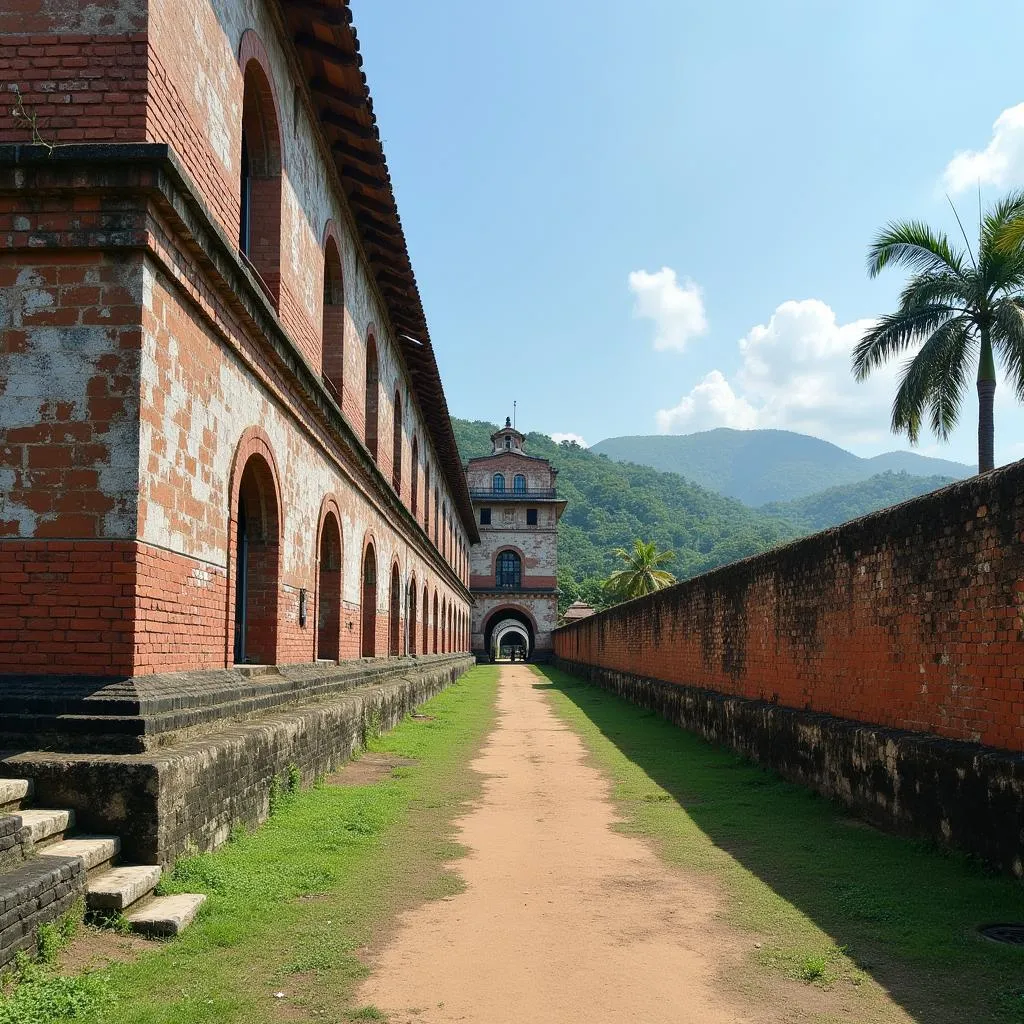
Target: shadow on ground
column 905, row 912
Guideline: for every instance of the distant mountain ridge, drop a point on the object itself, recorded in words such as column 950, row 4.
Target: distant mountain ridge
column 759, row 467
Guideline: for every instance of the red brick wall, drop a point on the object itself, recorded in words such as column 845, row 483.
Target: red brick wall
column 910, row 618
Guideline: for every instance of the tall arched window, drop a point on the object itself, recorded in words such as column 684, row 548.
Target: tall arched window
column 437, row 518
column 332, row 341
column 259, row 222
column 395, row 615
column 426, row 496
column 519, row 483
column 508, row 570
column 436, row 623
column 369, row 603
column 396, row 446
column 426, row 620
column 499, row 483
column 370, row 409
column 415, row 476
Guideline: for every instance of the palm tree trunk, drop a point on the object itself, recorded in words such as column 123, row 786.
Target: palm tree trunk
column 986, row 401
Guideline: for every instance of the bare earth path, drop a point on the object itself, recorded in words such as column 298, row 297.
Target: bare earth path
column 564, row 919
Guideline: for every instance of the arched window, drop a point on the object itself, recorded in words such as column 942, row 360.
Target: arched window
column 328, row 616
column 437, row 518
column 519, row 483
column 499, row 483
column 426, row 496
column 396, row 446
column 259, row 222
column 332, row 341
column 372, row 396
column 415, row 476
column 436, row 620
column 411, row 627
column 508, row 570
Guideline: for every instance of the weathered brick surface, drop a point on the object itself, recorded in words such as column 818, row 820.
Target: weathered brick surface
column 34, row 893
column 908, row 619
column 15, row 841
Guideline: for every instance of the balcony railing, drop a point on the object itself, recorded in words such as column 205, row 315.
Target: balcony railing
column 509, row 494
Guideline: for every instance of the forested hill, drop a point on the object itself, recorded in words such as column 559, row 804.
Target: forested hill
column 611, row 504
column 760, row 466
column 841, row 504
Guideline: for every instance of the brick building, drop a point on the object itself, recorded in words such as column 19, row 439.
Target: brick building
column 514, row 568
column 223, row 436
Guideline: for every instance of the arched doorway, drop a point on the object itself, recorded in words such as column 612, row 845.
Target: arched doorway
column 412, row 617
column 436, row 648
column 395, row 615
column 371, row 399
column 256, row 557
column 332, row 339
column 328, row 613
column 510, row 641
column 369, row 603
column 426, row 623
column 503, row 621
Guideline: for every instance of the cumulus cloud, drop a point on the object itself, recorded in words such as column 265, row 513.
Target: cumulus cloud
column 558, row 438
column 1000, row 163
column 794, row 375
column 676, row 309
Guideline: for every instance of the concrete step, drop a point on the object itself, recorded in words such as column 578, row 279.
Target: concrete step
column 166, row 916
column 118, row 888
column 95, row 851
column 46, row 825
column 13, row 792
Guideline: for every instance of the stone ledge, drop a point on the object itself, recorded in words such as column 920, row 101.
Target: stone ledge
column 131, row 715
column 959, row 794
column 189, row 794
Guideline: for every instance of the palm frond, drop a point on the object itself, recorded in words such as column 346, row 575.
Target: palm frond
column 1007, row 336
column 894, row 332
column 933, row 380
column 936, row 290
column 914, row 245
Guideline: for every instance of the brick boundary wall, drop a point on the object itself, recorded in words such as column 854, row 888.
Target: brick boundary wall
column 189, row 795
column 902, row 628
column 909, row 619
column 959, row 794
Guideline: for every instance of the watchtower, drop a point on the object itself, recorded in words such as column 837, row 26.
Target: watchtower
column 514, row 568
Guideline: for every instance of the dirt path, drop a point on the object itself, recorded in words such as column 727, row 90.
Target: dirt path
column 563, row 919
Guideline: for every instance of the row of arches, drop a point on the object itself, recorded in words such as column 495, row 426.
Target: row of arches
column 261, row 164
column 255, row 531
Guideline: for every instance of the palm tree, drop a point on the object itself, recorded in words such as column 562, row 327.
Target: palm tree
column 957, row 306
column 643, row 573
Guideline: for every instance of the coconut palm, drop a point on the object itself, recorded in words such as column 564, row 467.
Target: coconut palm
column 957, row 307
column 643, row 573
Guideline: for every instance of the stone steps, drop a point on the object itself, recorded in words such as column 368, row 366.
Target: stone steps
column 46, row 826
column 110, row 888
column 13, row 792
column 166, row 916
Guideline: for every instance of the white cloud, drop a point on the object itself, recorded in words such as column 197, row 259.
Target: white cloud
column 676, row 309
column 558, row 438
column 1000, row 163
column 794, row 375
column 712, row 403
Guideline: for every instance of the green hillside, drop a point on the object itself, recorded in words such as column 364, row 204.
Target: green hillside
column 850, row 501
column 761, row 466
column 611, row 504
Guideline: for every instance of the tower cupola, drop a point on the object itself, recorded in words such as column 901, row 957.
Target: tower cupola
column 508, row 439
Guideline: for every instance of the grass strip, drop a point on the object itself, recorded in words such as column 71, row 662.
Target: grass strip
column 292, row 904
column 830, row 900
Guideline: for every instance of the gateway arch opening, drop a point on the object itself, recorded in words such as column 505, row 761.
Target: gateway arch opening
column 509, row 635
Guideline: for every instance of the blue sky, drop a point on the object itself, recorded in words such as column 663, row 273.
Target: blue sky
column 653, row 216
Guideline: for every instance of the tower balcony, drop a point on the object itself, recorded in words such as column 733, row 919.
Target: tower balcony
column 523, row 494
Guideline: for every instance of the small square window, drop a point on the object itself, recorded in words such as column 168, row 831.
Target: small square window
column 531, row 517
column 485, row 517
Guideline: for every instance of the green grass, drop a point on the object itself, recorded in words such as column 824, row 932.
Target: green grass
column 831, row 901
column 292, row 903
